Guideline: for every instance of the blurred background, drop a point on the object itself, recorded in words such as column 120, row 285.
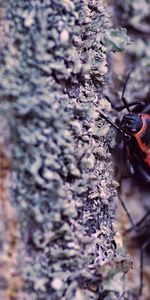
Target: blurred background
column 134, row 16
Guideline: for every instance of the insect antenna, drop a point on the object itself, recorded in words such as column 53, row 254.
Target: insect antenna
column 126, row 104
column 112, row 123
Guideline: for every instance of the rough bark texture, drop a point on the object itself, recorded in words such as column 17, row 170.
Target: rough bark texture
column 53, row 65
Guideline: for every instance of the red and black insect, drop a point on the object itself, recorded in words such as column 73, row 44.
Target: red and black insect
column 135, row 130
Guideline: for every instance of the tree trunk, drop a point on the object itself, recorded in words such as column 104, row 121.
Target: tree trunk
column 58, row 196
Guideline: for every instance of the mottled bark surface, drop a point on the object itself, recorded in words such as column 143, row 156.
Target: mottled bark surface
column 63, row 192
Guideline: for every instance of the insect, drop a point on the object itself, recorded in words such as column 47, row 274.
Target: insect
column 135, row 130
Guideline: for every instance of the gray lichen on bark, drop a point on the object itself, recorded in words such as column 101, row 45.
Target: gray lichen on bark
column 53, row 65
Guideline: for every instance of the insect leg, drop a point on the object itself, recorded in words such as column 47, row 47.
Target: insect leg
column 123, row 100
column 127, row 212
column 124, row 89
column 138, row 226
column 142, row 265
column 130, row 169
column 121, row 107
column 112, row 123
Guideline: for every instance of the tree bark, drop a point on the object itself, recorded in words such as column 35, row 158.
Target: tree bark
column 60, row 212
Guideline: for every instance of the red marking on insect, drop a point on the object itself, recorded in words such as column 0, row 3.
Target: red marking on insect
column 139, row 137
